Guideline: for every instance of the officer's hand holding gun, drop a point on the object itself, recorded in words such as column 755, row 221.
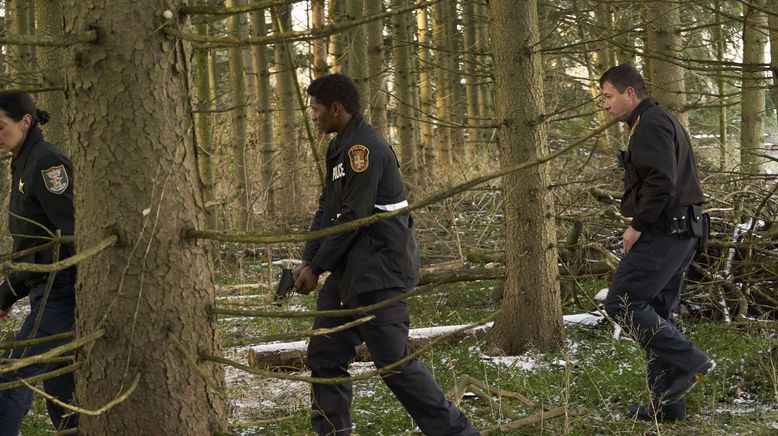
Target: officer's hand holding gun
column 305, row 280
column 285, row 284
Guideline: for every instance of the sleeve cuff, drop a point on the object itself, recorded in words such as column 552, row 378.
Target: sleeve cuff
column 316, row 270
column 639, row 224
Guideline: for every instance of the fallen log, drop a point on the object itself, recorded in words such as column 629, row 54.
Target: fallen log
column 290, row 356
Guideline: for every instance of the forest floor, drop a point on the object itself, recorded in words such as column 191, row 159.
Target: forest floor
column 593, row 375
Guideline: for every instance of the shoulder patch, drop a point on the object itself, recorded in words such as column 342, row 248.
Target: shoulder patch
column 56, row 179
column 358, row 157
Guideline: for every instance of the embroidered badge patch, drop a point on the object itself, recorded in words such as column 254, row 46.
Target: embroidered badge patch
column 56, row 179
column 358, row 156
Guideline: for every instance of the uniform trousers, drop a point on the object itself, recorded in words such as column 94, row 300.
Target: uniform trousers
column 58, row 317
column 386, row 338
column 643, row 294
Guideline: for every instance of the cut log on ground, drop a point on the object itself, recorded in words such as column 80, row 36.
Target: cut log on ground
column 290, row 356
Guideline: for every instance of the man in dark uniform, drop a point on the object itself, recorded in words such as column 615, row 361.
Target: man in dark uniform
column 662, row 194
column 41, row 203
column 367, row 266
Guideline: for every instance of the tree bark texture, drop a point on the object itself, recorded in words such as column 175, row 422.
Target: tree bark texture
column 20, row 57
column 485, row 87
column 357, row 50
column 264, row 93
column 663, row 38
column 401, row 52
column 287, row 185
column 456, row 100
column 426, row 148
column 339, row 41
column 718, row 36
column 136, row 169
column 319, row 45
column 531, row 313
column 375, row 67
column 772, row 21
column 752, row 106
column 241, row 214
column 443, row 88
column 49, row 17
column 471, row 86
column 203, row 134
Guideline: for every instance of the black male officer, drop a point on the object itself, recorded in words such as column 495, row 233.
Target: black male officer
column 662, row 194
column 367, row 266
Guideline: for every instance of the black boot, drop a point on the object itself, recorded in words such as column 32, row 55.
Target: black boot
column 668, row 413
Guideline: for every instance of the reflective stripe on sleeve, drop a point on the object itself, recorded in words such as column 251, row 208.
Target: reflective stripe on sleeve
column 391, row 207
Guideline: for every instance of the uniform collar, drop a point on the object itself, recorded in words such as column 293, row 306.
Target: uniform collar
column 33, row 137
column 640, row 108
column 356, row 120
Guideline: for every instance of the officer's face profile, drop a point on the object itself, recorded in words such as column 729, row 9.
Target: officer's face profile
column 618, row 104
column 322, row 115
column 12, row 132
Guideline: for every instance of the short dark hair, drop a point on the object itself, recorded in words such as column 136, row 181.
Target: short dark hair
column 335, row 87
column 625, row 76
column 18, row 104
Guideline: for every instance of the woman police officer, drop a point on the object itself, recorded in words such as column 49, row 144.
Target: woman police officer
column 41, row 202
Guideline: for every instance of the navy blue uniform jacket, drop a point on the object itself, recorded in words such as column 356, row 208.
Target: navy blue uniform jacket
column 363, row 178
column 660, row 174
column 41, row 202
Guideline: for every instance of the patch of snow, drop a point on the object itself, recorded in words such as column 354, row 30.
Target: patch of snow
column 601, row 295
column 587, row 319
column 525, row 363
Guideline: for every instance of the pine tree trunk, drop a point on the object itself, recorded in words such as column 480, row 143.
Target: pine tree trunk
column 604, row 18
column 752, row 106
column 285, row 118
column 320, row 66
column 456, row 102
column 772, row 20
column 203, row 134
column 718, row 36
column 471, row 87
column 427, row 145
column 401, row 53
column 357, row 50
column 52, row 66
column 135, row 165
column 603, row 141
column 531, row 286
column 485, row 88
column 375, row 66
column 625, row 18
column 339, row 41
column 442, row 86
column 20, row 56
column 241, row 215
column 663, row 38
column 264, row 92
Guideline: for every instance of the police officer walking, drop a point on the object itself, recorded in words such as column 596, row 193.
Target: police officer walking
column 41, row 203
column 367, row 266
column 662, row 194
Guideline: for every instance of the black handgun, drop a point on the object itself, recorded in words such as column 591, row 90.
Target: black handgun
column 284, row 284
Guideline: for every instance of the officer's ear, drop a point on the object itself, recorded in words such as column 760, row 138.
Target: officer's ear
column 337, row 109
column 26, row 122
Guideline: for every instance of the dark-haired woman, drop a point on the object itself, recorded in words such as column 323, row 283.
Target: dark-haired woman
column 41, row 203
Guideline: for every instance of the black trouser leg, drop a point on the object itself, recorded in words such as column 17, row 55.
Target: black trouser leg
column 329, row 356
column 387, row 337
column 654, row 269
column 15, row 403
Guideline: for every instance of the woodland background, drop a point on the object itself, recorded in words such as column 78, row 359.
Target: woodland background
column 197, row 171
